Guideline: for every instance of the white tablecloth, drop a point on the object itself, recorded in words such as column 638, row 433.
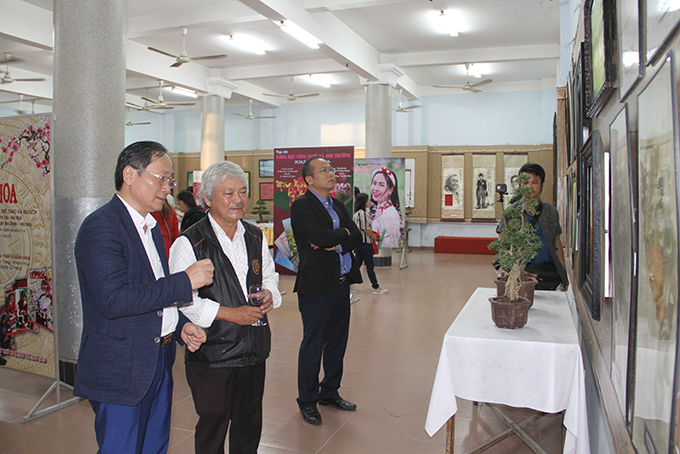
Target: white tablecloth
column 539, row 366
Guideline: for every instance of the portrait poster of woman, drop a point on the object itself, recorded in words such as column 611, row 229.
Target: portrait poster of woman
column 383, row 180
column 453, row 186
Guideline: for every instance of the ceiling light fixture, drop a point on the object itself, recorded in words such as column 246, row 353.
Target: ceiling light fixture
column 447, row 22
column 184, row 91
column 247, row 43
column 323, row 80
column 300, row 34
column 475, row 71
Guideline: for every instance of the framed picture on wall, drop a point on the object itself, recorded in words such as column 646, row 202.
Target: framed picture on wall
column 598, row 54
column 623, row 251
column 266, row 168
column 248, row 182
column 630, row 67
column 267, row 191
column 662, row 19
column 656, row 330
column 591, row 231
column 580, row 123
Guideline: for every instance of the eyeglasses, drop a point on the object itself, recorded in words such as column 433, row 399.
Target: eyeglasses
column 325, row 171
column 164, row 179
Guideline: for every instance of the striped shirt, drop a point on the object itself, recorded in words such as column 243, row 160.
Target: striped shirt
column 363, row 222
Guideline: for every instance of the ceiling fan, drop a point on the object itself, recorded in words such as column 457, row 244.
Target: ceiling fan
column 129, row 122
column 20, row 111
column 250, row 113
column 161, row 104
column 292, row 96
column 468, row 86
column 7, row 79
column 407, row 109
column 183, row 57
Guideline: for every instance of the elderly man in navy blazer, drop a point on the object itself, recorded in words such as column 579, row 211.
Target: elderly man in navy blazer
column 325, row 235
column 130, row 302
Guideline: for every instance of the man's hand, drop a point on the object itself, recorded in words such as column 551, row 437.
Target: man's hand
column 334, row 248
column 200, row 273
column 193, row 336
column 246, row 315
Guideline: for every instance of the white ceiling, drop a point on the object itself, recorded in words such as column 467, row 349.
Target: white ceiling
column 515, row 42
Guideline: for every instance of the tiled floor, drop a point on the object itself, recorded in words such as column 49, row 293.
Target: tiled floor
column 391, row 360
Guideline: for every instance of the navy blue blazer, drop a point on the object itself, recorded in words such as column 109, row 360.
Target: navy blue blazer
column 122, row 306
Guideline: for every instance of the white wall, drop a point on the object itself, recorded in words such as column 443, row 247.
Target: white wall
column 487, row 118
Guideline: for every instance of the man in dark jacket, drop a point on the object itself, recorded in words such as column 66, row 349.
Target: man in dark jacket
column 227, row 374
column 130, row 301
column 325, row 235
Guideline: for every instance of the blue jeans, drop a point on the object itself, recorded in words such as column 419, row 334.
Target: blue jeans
column 365, row 254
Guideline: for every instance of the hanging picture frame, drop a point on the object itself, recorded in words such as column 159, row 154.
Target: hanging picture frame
column 623, row 252
column 453, row 187
column 598, row 54
column 662, row 18
column 591, row 231
column 655, row 388
column 630, row 68
column 580, row 123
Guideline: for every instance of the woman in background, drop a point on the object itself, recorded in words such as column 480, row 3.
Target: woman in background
column 365, row 252
column 384, row 211
column 187, row 205
column 167, row 219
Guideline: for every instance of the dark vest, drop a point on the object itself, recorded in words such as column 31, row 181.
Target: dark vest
column 229, row 344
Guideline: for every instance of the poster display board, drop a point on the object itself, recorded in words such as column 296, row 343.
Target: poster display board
column 26, row 309
column 383, row 180
column 512, row 163
column 483, row 184
column 453, row 183
column 289, row 185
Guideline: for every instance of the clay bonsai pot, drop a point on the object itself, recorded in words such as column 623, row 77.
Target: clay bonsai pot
column 509, row 314
column 526, row 290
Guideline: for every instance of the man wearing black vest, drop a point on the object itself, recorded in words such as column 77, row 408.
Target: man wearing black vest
column 325, row 235
column 227, row 374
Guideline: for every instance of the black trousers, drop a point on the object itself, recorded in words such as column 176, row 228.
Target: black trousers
column 325, row 322
column 224, row 395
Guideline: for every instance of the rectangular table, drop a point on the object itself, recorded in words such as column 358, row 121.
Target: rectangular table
column 539, row 366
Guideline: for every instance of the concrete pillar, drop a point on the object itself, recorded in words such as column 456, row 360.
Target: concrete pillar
column 212, row 130
column 88, row 135
column 378, row 121
column 379, row 139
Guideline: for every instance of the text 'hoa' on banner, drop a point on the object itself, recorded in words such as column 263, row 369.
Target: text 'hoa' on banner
column 26, row 309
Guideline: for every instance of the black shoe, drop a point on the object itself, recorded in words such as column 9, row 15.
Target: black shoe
column 311, row 415
column 338, row 403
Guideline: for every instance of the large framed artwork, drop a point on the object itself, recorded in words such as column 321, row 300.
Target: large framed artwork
column 266, row 168
column 580, row 123
column 483, row 186
column 623, row 252
column 453, row 187
column 662, row 18
column 656, row 333
column 598, row 54
column 630, row 67
column 591, row 231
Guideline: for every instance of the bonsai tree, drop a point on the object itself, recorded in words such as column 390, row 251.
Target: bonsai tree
column 518, row 243
column 260, row 209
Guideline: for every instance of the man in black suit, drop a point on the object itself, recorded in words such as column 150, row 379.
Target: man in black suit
column 325, row 236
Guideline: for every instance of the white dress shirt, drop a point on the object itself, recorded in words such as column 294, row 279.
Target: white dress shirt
column 204, row 310
column 170, row 315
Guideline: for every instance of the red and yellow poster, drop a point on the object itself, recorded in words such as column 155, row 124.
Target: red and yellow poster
column 289, row 185
column 26, row 310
